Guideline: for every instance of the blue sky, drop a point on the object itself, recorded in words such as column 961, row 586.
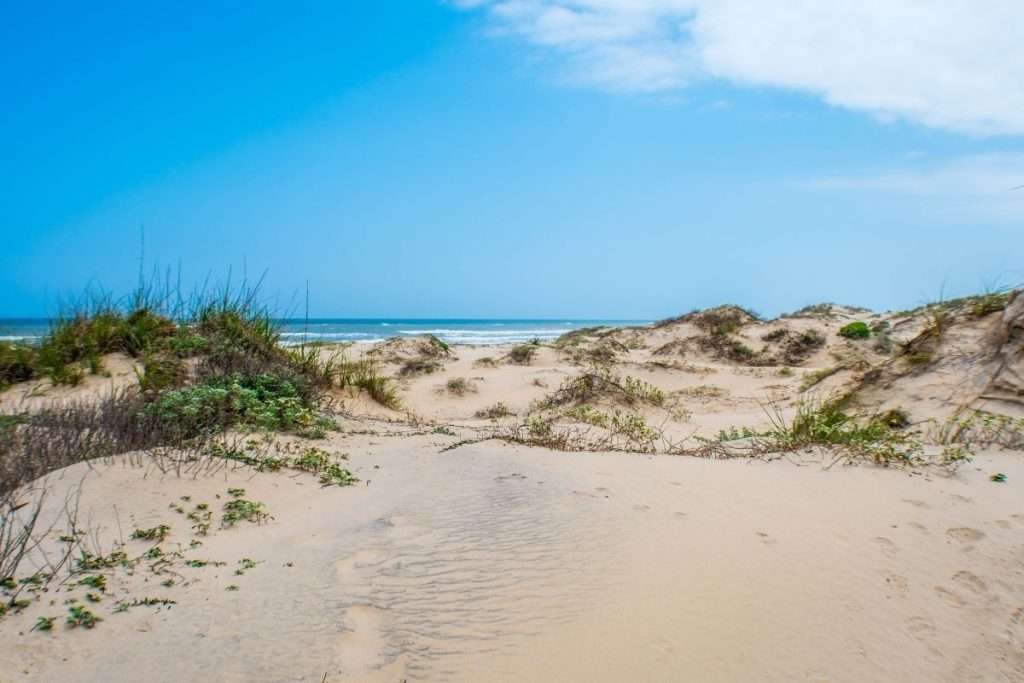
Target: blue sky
column 538, row 158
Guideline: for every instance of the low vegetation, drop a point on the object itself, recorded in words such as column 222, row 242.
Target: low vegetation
column 211, row 367
column 523, row 353
column 855, row 330
column 602, row 384
column 882, row 439
column 460, row 386
column 495, row 412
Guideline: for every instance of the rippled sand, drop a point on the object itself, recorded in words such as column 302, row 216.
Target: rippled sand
column 497, row 563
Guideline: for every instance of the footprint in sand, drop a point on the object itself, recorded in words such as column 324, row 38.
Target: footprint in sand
column 1003, row 524
column 951, row 597
column 961, row 499
column 898, row 583
column 921, row 628
column 641, row 508
column 1015, row 628
column 965, row 534
column 361, row 647
column 885, row 544
column 918, row 526
column 767, row 538
column 970, row 581
column 915, row 502
column 664, row 648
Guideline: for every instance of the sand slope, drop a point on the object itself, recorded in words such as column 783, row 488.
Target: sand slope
column 495, row 562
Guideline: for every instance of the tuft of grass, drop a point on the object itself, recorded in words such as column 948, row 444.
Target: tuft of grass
column 522, row 354
column 921, row 349
column 497, row 411
column 419, row 366
column 460, row 386
column 800, row 346
column 822, row 422
column 363, row 375
column 17, row 363
column 704, row 391
column 382, row 391
column 577, row 337
column 879, row 439
column 432, row 347
column 815, row 377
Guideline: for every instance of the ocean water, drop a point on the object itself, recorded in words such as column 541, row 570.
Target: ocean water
column 452, row 331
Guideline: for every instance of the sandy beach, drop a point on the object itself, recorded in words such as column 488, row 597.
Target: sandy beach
column 496, row 562
column 461, row 556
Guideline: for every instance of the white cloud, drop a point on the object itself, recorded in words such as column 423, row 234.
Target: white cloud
column 970, row 186
column 949, row 64
column 989, row 175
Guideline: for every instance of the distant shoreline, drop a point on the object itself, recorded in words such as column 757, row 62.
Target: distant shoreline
column 461, row 331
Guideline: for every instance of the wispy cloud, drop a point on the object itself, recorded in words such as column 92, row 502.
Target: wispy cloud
column 989, row 175
column 987, row 185
column 950, row 64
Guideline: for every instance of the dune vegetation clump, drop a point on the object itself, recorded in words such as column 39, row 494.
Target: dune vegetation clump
column 209, row 365
column 460, row 386
column 855, row 330
column 883, row 439
column 523, row 353
column 598, row 382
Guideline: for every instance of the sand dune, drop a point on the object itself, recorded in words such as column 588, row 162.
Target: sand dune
column 467, row 561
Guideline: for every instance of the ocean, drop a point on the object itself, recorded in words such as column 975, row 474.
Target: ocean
column 452, row 331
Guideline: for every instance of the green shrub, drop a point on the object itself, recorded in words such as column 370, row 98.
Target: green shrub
column 17, row 363
column 265, row 401
column 855, row 330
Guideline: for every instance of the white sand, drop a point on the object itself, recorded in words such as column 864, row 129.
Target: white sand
column 494, row 562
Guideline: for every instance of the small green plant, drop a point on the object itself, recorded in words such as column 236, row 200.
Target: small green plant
column 855, row 330
column 125, row 605
column 44, row 624
column 457, row 444
column 89, row 562
column 998, row 477
column 241, row 509
column 198, row 563
column 245, row 564
column 157, row 533
column 80, row 616
column 97, row 581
